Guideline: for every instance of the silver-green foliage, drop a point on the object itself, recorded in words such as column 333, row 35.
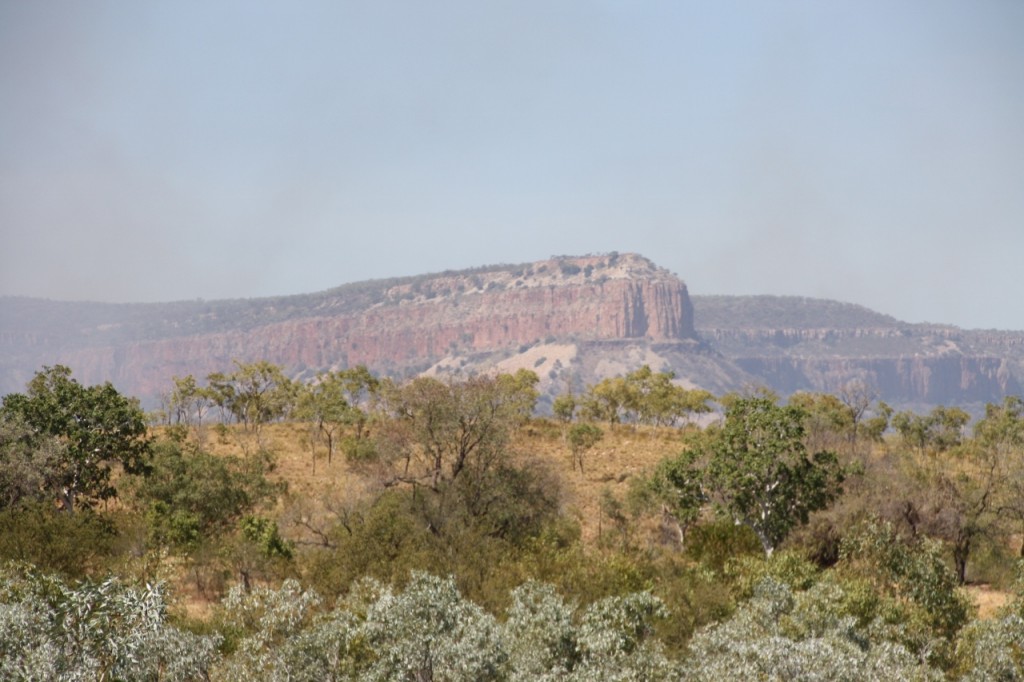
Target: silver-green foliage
column 428, row 631
column 993, row 649
column 95, row 631
column 782, row 635
column 549, row 639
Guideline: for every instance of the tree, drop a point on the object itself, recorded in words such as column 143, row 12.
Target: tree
column 1001, row 433
column 957, row 499
column 1002, row 427
column 429, row 631
column 913, row 572
column 961, row 496
column 653, row 398
column 857, row 397
column 939, row 430
column 582, row 437
column 677, row 486
column 519, row 392
column 96, row 426
column 29, row 463
column 564, row 407
column 875, row 426
column 94, row 631
column 186, row 405
column 829, row 422
column 691, row 402
column 646, row 394
column 448, row 442
column 606, row 400
column 191, row 496
column 441, row 430
column 781, row 634
column 759, row 473
column 323, row 403
column 255, row 394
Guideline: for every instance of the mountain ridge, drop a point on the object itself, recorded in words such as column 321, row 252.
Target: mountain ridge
column 589, row 316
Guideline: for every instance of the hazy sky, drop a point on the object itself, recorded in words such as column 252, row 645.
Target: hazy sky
column 866, row 151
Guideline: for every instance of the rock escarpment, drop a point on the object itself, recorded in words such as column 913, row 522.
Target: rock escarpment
column 397, row 327
column 793, row 344
column 572, row 320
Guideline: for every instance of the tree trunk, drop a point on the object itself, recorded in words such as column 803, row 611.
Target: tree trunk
column 961, row 552
column 766, row 543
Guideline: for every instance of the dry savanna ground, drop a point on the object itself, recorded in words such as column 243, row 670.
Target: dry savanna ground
column 623, row 453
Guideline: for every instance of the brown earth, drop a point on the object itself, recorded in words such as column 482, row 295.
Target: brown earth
column 623, row 453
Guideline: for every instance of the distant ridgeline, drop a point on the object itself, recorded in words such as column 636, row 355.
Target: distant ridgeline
column 573, row 320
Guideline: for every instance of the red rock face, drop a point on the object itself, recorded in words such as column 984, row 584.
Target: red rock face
column 413, row 329
column 616, row 311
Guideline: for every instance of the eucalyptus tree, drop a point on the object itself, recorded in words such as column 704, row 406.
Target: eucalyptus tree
column 50, row 630
column 187, row 404
column 255, row 394
column 191, row 497
column 941, row 429
column 760, row 473
column 428, row 631
column 1001, row 433
column 654, row 399
column 95, row 428
column 29, row 463
column 781, row 634
column 448, row 443
column 582, row 437
column 755, row 469
column 323, row 403
column 606, row 401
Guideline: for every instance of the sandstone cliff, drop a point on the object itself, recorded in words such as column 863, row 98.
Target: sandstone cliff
column 572, row 320
column 399, row 327
column 796, row 344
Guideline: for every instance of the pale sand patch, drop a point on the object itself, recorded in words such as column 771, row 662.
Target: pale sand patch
column 540, row 359
column 988, row 600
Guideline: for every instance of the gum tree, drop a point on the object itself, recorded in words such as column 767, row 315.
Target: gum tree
column 96, row 427
column 760, row 473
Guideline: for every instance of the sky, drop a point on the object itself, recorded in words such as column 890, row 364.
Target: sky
column 868, row 151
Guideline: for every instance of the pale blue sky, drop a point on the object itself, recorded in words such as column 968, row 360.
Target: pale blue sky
column 866, row 151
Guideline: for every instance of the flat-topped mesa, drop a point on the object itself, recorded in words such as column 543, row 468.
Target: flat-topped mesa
column 397, row 326
column 585, row 298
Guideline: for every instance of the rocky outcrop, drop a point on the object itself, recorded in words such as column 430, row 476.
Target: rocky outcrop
column 411, row 324
column 570, row 319
column 949, row 380
column 785, row 345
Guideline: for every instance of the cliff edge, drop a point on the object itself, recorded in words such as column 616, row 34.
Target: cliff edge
column 397, row 327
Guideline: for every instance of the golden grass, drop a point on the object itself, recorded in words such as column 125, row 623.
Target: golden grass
column 623, row 453
column 987, row 599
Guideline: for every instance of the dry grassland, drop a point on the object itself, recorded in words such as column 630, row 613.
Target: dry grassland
column 623, row 452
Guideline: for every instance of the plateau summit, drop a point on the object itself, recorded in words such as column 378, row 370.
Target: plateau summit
column 572, row 320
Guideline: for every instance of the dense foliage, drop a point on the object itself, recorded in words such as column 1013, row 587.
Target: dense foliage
column 825, row 538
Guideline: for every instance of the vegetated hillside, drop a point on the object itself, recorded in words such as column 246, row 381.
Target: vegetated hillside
column 397, row 327
column 643, row 536
column 800, row 344
column 785, row 312
column 623, row 453
column 573, row 320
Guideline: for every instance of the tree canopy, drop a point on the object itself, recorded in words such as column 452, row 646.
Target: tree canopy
column 94, row 427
